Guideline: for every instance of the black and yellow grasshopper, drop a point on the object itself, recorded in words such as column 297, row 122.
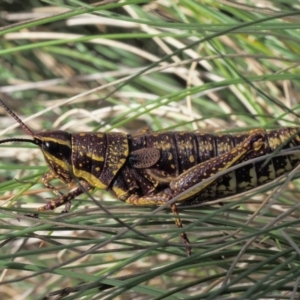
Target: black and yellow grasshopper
column 151, row 168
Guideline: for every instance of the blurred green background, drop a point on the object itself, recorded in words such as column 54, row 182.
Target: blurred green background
column 213, row 66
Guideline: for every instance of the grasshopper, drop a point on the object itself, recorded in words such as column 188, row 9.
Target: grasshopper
column 151, row 168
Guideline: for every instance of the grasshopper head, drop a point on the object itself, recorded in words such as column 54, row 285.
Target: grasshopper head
column 57, row 150
column 55, row 145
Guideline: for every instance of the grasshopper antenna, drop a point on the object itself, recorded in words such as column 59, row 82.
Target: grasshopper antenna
column 16, row 118
column 18, row 140
column 20, row 123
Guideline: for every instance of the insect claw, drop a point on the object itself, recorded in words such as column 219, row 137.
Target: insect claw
column 32, row 215
column 67, row 208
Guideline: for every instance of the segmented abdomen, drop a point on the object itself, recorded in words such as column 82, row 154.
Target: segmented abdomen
column 183, row 150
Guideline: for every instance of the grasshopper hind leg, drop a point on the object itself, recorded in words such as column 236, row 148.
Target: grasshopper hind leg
column 185, row 185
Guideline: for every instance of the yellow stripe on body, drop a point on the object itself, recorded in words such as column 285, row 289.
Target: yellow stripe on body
column 57, row 141
column 90, row 178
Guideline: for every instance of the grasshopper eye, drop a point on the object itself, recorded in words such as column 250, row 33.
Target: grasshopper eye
column 50, row 147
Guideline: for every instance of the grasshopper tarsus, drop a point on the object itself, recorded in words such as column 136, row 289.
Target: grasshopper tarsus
column 67, row 208
column 32, row 215
column 183, row 235
column 186, row 241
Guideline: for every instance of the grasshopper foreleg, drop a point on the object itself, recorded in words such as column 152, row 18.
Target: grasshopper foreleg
column 67, row 198
column 46, row 178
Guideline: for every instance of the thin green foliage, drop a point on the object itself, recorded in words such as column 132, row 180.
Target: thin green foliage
column 86, row 66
